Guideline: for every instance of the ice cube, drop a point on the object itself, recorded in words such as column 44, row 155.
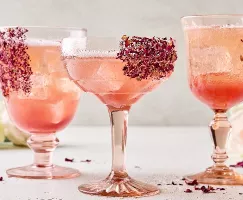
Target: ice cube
column 40, row 88
column 111, row 76
column 36, row 93
column 39, row 93
column 39, row 81
column 58, row 112
column 66, row 85
column 53, row 60
column 210, row 60
column 110, row 70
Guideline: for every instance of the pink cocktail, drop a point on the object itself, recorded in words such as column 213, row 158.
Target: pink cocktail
column 119, row 79
column 53, row 96
column 104, row 77
column 215, row 60
column 39, row 96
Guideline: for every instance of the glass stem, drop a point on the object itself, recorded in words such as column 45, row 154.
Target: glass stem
column 119, row 120
column 220, row 131
column 43, row 146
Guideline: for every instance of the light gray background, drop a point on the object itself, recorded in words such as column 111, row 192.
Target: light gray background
column 172, row 103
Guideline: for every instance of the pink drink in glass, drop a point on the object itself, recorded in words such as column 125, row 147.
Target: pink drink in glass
column 215, row 61
column 104, row 77
column 53, row 98
column 119, row 83
column 215, row 65
column 39, row 96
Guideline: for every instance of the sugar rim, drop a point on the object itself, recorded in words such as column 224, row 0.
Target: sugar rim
column 92, row 53
column 226, row 26
column 42, row 42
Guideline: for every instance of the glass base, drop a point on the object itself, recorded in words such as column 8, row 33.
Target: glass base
column 217, row 176
column 34, row 172
column 117, row 186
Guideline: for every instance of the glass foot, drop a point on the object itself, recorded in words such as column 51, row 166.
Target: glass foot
column 34, row 172
column 119, row 186
column 218, row 176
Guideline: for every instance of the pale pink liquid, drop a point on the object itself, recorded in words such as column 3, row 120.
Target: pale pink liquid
column 215, row 65
column 104, row 77
column 51, row 105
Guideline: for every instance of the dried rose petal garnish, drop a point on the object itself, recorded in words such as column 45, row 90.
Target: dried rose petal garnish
column 15, row 70
column 1, row 178
column 194, row 182
column 69, row 160
column 239, row 164
column 147, row 58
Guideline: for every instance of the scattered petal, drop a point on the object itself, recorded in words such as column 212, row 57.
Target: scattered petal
column 220, row 188
column 87, row 161
column 188, row 191
column 194, row 182
column 237, row 165
column 69, row 160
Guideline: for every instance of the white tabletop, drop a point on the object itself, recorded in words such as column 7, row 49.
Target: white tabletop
column 162, row 155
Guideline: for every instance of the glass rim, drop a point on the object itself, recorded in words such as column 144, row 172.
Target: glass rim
column 212, row 16
column 48, row 27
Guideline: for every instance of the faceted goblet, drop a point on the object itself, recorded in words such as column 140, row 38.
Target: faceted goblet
column 214, row 50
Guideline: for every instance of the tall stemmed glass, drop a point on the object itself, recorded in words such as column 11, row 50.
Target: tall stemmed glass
column 39, row 96
column 215, row 61
column 119, row 78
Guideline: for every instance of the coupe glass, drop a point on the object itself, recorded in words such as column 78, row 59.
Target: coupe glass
column 52, row 100
column 96, row 70
column 215, row 61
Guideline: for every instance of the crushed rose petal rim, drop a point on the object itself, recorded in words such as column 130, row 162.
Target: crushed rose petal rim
column 15, row 70
column 147, row 58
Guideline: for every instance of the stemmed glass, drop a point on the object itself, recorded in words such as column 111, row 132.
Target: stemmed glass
column 39, row 96
column 119, row 78
column 215, row 61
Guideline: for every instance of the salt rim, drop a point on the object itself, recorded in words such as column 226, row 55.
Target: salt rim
column 71, row 46
column 93, row 53
column 42, row 42
column 194, row 26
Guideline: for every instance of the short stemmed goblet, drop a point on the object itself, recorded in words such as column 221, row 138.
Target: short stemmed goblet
column 39, row 96
column 119, row 78
column 214, row 50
